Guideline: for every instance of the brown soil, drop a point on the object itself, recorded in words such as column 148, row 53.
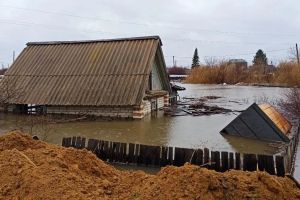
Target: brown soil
column 36, row 170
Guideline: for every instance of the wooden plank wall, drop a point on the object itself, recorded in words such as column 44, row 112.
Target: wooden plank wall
column 160, row 156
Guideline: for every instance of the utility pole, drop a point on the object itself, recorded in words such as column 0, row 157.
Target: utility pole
column 297, row 53
column 173, row 61
column 14, row 53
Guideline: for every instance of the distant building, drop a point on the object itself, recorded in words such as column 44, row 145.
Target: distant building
column 270, row 69
column 240, row 63
column 123, row 78
column 179, row 77
column 2, row 71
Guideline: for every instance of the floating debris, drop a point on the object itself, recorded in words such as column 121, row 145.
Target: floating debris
column 203, row 109
column 197, row 107
column 177, row 87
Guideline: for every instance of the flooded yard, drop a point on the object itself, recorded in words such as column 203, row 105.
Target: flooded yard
column 158, row 129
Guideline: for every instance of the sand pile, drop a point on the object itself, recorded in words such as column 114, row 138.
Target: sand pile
column 36, row 170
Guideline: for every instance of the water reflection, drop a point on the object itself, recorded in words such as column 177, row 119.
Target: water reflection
column 245, row 145
column 153, row 130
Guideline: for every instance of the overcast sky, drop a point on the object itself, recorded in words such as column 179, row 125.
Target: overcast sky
column 218, row 28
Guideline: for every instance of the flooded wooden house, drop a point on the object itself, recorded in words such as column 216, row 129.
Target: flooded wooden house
column 123, row 78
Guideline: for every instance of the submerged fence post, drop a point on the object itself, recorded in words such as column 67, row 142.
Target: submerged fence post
column 249, row 162
column 280, row 171
column 237, row 161
column 162, row 156
column 224, row 156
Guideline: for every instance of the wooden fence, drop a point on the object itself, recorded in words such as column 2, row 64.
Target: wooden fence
column 161, row 156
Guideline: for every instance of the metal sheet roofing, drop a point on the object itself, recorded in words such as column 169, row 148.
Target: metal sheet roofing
column 254, row 123
column 98, row 72
column 278, row 119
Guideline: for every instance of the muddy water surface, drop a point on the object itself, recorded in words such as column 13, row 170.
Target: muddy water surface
column 157, row 129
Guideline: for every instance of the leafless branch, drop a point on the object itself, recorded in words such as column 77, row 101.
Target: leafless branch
column 9, row 92
column 290, row 104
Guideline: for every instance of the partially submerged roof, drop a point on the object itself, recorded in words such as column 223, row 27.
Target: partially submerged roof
column 255, row 123
column 278, row 119
column 110, row 72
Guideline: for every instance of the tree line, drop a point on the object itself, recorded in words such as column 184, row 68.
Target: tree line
column 287, row 73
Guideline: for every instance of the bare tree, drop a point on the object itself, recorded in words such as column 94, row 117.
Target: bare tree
column 290, row 104
column 211, row 61
column 292, row 55
column 9, row 92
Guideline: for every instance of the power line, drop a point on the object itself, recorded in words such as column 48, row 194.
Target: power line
column 215, row 42
column 74, row 16
column 230, row 55
column 145, row 24
column 25, row 23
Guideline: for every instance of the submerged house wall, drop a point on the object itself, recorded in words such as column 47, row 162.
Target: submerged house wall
column 115, row 112
column 150, row 105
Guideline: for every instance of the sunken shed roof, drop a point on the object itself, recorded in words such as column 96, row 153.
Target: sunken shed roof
column 255, row 123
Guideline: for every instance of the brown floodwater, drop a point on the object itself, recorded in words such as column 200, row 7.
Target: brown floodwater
column 158, row 129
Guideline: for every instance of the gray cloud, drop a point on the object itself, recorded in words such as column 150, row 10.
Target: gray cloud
column 222, row 28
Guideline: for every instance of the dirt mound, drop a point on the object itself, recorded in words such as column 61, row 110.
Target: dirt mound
column 17, row 140
column 36, row 170
column 192, row 182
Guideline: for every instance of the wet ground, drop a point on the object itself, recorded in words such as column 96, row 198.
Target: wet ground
column 157, row 129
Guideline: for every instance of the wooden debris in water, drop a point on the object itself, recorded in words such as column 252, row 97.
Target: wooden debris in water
column 197, row 107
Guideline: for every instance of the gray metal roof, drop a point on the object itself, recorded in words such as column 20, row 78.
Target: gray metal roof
column 98, row 73
column 254, row 123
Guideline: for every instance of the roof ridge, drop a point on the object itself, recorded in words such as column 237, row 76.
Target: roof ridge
column 107, row 74
column 153, row 37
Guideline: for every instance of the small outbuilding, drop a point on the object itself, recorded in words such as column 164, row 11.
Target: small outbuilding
column 124, row 78
column 262, row 122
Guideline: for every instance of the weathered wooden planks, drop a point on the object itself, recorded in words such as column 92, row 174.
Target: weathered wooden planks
column 266, row 163
column 231, row 161
column 148, row 155
column 182, row 155
column 164, row 156
column 249, row 162
column 197, row 158
column 215, row 161
column 280, row 170
column 206, row 156
column 131, row 153
column 237, row 161
column 225, row 161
